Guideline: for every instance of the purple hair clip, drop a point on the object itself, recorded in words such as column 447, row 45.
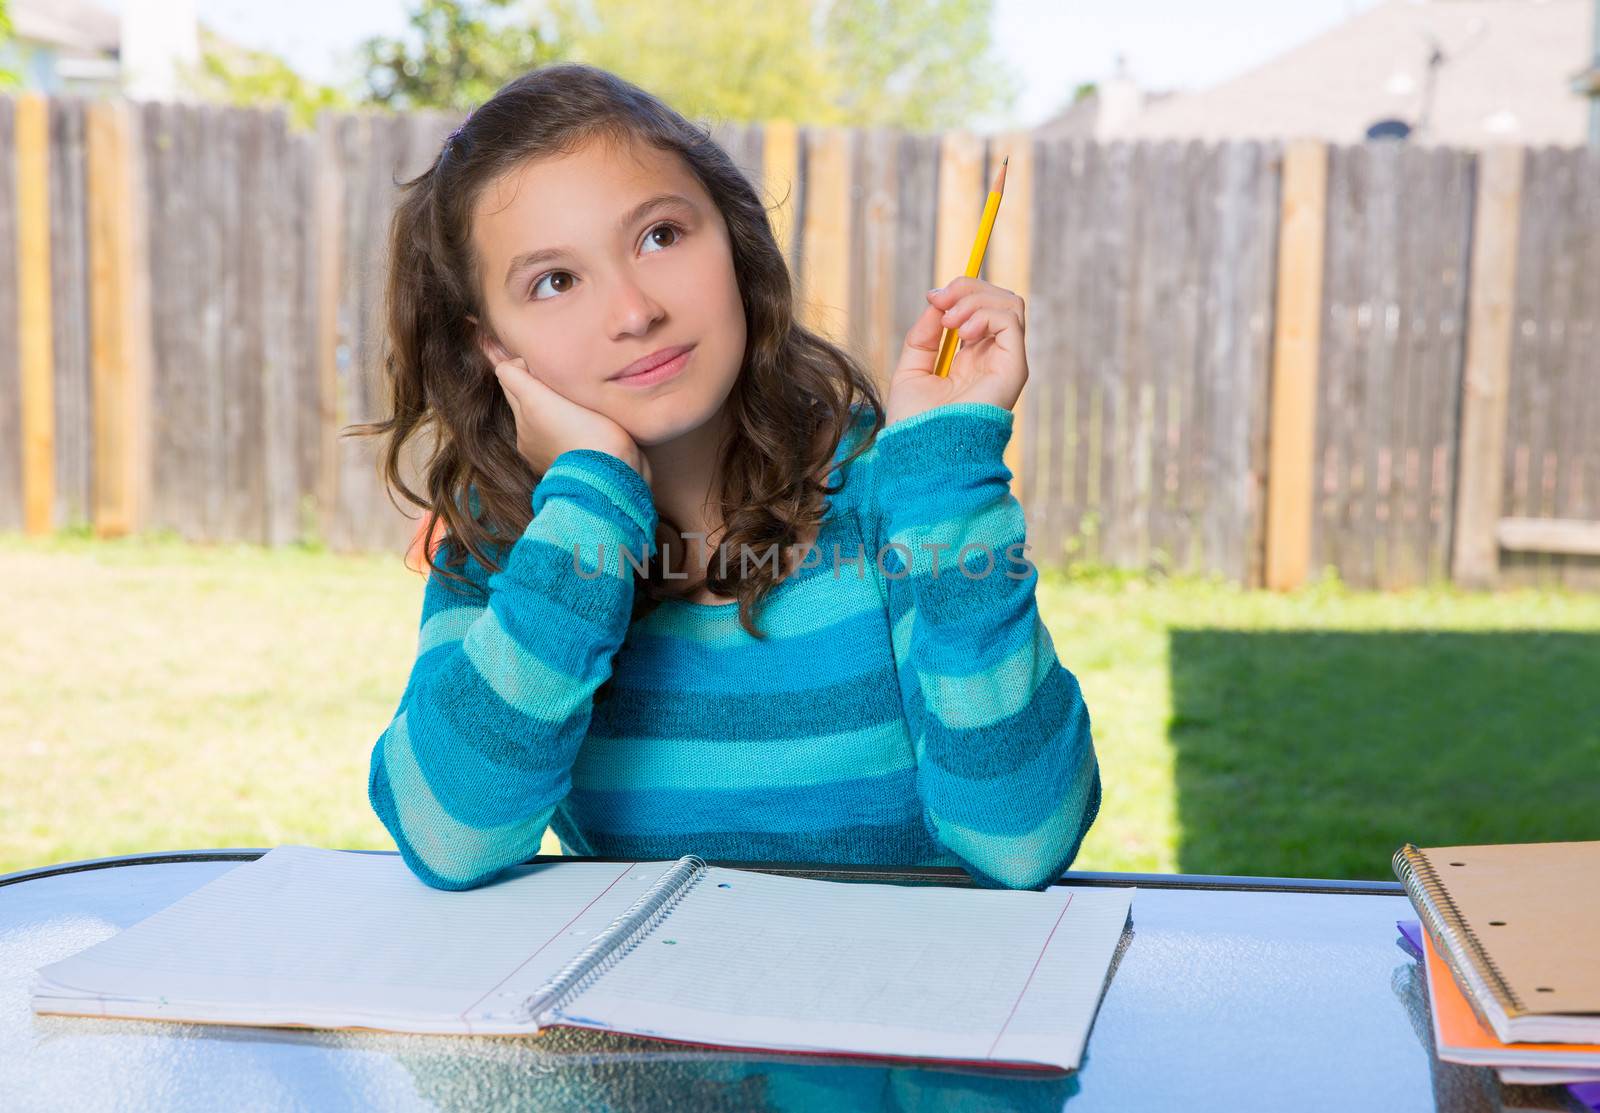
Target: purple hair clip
column 460, row 126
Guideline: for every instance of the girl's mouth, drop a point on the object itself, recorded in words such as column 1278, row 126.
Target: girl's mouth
column 658, row 374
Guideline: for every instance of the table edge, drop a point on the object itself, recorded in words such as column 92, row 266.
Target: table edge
column 947, row 875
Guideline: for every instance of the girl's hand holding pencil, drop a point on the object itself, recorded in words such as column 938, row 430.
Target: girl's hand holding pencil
column 991, row 363
column 990, row 366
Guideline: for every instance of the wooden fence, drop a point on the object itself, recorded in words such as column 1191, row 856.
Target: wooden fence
column 1251, row 359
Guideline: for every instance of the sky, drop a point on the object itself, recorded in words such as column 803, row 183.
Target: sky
column 1054, row 44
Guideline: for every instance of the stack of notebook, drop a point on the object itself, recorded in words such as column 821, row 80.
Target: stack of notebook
column 675, row 950
column 1507, row 940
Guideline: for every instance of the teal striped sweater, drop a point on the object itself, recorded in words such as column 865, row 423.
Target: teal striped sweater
column 908, row 712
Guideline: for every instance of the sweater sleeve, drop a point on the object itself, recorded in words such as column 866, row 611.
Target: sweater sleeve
column 480, row 750
column 1006, row 767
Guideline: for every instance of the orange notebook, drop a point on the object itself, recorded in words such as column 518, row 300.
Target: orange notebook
column 1516, row 925
column 1460, row 1038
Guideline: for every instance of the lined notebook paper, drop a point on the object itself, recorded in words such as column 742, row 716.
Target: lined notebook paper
column 679, row 950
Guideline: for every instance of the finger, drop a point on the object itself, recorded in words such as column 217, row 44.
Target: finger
column 957, row 288
column 926, row 333
column 515, row 379
column 955, row 314
column 949, row 297
column 513, row 371
column 1001, row 324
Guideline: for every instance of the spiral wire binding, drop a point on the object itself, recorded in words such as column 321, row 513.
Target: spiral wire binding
column 1423, row 883
column 619, row 937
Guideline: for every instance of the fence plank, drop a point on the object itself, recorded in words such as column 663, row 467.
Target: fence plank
column 1236, row 380
column 1449, row 200
column 1080, row 400
column 916, row 216
column 355, row 152
column 331, row 345
column 280, row 261
column 1187, row 333
column 1584, row 459
column 1047, row 353
column 359, row 480
column 11, row 443
column 1117, row 374
column 1549, row 535
column 1294, row 364
column 1483, row 402
column 780, row 184
column 70, row 313
column 1257, row 293
column 1165, row 243
column 119, row 371
column 1006, row 265
column 186, row 373
column 306, row 354
column 140, row 355
column 827, row 233
column 962, row 194
column 742, row 142
column 1343, row 315
column 873, row 277
column 34, row 302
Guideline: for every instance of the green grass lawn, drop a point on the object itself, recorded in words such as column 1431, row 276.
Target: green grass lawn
column 156, row 696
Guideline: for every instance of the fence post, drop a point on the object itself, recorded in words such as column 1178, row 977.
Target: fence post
column 1486, row 370
column 118, row 375
column 1292, row 422
column 35, row 349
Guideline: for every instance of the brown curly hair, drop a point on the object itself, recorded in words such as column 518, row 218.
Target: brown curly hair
column 790, row 405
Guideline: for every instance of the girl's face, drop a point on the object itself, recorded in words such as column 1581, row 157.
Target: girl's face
column 593, row 260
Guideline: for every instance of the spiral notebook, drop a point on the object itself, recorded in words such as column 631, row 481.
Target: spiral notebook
column 1515, row 924
column 679, row 950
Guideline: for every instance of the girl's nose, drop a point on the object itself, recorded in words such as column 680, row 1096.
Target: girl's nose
column 633, row 310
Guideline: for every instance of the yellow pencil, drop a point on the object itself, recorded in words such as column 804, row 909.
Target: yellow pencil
column 951, row 340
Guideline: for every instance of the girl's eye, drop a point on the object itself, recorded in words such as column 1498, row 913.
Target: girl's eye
column 677, row 234
column 542, row 277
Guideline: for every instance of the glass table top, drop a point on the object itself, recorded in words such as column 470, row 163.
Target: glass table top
column 1226, row 994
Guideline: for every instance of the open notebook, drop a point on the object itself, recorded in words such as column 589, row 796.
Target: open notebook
column 681, row 950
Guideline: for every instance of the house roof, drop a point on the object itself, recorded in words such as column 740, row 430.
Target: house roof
column 72, row 25
column 1507, row 77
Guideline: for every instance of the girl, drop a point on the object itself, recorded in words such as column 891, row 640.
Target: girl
column 588, row 313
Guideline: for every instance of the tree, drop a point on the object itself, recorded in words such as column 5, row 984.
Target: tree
column 756, row 63
column 919, row 64
column 461, row 59
column 232, row 75
column 9, row 78
column 916, row 64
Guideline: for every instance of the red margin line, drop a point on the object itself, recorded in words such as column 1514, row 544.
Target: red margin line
column 547, row 942
column 1031, row 973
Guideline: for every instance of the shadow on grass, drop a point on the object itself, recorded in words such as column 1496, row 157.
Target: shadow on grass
column 1317, row 754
